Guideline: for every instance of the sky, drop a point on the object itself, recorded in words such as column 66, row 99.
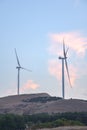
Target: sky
column 36, row 28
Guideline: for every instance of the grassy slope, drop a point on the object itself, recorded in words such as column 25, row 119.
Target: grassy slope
column 67, row 128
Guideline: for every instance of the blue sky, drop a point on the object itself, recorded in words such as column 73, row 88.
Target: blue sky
column 36, row 29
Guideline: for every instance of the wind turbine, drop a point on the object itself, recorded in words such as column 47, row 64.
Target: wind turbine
column 19, row 67
column 64, row 62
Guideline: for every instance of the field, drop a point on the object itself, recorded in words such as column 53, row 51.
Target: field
column 67, row 128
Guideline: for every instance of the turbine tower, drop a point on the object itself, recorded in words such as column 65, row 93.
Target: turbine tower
column 64, row 62
column 18, row 77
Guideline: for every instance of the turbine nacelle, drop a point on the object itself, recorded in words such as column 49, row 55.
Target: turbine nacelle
column 62, row 57
column 18, row 67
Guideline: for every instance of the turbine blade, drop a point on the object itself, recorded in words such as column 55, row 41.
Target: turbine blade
column 26, row 69
column 64, row 53
column 17, row 58
column 67, row 50
column 68, row 72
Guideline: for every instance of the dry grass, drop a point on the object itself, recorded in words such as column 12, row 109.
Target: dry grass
column 16, row 105
column 67, row 128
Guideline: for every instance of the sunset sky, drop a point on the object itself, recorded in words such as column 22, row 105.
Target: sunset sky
column 36, row 28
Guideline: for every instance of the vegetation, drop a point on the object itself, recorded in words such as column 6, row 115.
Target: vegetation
column 11, row 122
column 42, row 99
column 16, row 122
column 57, row 123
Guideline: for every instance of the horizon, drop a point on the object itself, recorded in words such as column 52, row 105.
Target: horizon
column 25, row 94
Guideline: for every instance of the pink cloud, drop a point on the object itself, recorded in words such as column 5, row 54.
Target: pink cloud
column 73, row 74
column 77, row 45
column 29, row 85
column 55, row 69
column 74, row 40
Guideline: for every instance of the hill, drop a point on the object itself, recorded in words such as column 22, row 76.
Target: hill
column 67, row 128
column 40, row 103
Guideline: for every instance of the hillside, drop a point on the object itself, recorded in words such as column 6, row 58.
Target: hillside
column 40, row 103
column 67, row 128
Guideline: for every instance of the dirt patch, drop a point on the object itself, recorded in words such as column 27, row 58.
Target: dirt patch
column 67, row 128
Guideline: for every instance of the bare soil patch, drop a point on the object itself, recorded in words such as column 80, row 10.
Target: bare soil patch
column 67, row 128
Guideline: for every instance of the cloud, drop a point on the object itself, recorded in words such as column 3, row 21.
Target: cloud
column 74, row 40
column 29, row 85
column 73, row 74
column 77, row 44
column 55, row 69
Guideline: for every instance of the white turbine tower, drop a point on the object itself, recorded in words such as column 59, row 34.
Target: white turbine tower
column 64, row 62
column 19, row 67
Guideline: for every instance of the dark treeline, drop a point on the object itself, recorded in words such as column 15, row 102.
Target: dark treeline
column 42, row 99
column 12, row 122
column 19, row 122
column 44, row 117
